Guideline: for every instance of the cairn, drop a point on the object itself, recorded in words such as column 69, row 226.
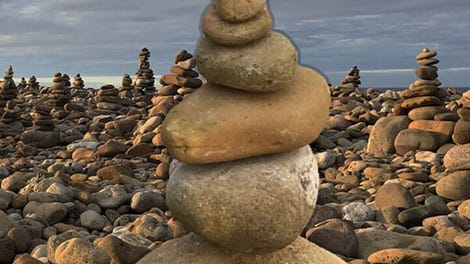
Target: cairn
column 144, row 79
column 349, row 85
column 59, row 91
column 108, row 98
column 461, row 134
column 42, row 134
column 8, row 90
column 430, row 125
column 78, row 92
column 127, row 91
column 227, row 146
column 32, row 87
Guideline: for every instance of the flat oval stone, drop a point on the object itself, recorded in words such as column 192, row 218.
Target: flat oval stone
column 235, row 34
column 246, row 205
column 426, row 112
column 238, row 10
column 458, row 158
column 422, row 90
column 221, row 124
column 421, row 82
column 426, row 54
column 444, row 129
column 464, row 113
column 250, row 67
column 454, row 186
column 420, row 101
column 415, row 139
column 428, row 62
column 403, row 255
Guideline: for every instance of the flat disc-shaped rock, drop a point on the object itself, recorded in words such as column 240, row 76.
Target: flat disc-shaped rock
column 234, row 34
column 221, row 124
column 265, row 65
column 238, row 10
column 254, row 205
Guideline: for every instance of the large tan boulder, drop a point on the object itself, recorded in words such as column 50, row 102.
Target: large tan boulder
column 219, row 124
column 193, row 249
column 253, row 205
column 238, row 10
column 384, row 132
column 261, row 66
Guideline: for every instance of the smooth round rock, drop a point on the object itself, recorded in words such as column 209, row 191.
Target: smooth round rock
column 238, row 10
column 121, row 251
column 415, row 139
column 251, row 67
column 444, row 129
column 464, row 113
column 235, row 34
column 461, row 132
column 246, row 205
column 426, row 54
column 336, row 236
column 426, row 72
column 420, row 101
column 217, row 124
column 41, row 139
column 422, row 90
column 384, row 132
column 78, row 250
column 194, row 249
column 458, row 158
column 394, row 194
column 454, row 186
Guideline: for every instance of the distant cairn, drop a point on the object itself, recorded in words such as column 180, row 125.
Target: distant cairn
column 349, row 85
column 144, row 78
column 8, row 90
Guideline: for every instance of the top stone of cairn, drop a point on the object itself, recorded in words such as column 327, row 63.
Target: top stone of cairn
column 238, row 10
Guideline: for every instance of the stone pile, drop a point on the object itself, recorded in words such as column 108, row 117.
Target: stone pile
column 8, row 90
column 431, row 125
column 42, row 134
column 462, row 127
column 144, row 79
column 108, row 98
column 10, row 113
column 127, row 92
column 183, row 79
column 21, row 85
column 349, row 85
column 78, row 93
column 59, row 91
column 228, row 146
column 32, row 87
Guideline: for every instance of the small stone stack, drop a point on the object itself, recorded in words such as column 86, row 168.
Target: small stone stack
column 33, row 86
column 177, row 85
column 79, row 94
column 127, row 92
column 42, row 134
column 183, row 79
column 144, row 79
column 349, row 84
column 59, row 92
column 8, row 89
column 22, row 85
column 238, row 168
column 108, row 98
column 10, row 113
column 42, row 119
column 432, row 126
column 462, row 127
column 10, row 124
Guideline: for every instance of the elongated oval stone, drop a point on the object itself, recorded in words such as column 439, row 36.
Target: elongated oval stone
column 217, row 123
column 238, row 10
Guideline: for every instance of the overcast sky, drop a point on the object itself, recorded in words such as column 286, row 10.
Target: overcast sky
column 104, row 37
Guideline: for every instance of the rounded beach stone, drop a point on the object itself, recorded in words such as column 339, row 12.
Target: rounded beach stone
column 394, row 194
column 458, row 158
column 246, row 205
column 426, row 54
column 415, row 139
column 78, row 250
column 251, row 67
column 426, row 112
column 238, row 10
column 464, row 209
column 461, row 132
column 41, row 139
column 384, row 132
column 454, row 186
column 235, row 34
column 121, row 251
column 444, row 129
column 194, row 249
column 403, row 255
column 336, row 236
column 464, row 113
column 426, row 72
column 194, row 136
column 422, row 90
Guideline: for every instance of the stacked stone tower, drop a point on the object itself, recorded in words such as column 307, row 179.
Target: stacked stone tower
column 243, row 178
column 60, row 91
column 8, row 90
column 108, row 98
column 430, row 126
column 144, row 79
column 351, row 81
column 33, row 85
column 78, row 93
column 461, row 134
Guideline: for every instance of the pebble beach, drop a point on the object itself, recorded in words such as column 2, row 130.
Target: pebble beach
column 234, row 156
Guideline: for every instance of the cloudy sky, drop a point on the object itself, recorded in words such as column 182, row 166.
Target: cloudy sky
column 103, row 37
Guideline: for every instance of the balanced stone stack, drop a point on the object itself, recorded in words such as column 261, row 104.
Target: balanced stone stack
column 33, row 86
column 8, row 89
column 79, row 94
column 183, row 79
column 462, row 127
column 127, row 92
column 42, row 119
column 181, row 82
column 243, row 178
column 350, row 84
column 59, row 92
column 43, row 133
column 144, row 79
column 108, row 98
column 431, row 123
column 10, row 113
column 22, row 85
